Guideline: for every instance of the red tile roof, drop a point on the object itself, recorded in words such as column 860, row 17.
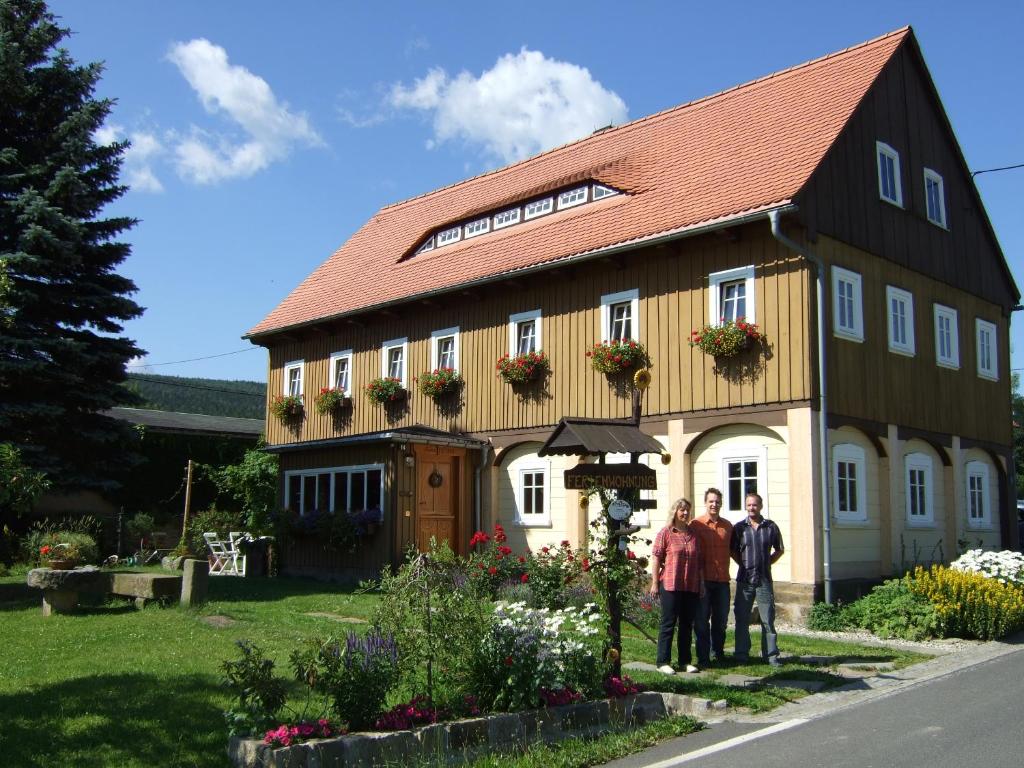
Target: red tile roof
column 749, row 148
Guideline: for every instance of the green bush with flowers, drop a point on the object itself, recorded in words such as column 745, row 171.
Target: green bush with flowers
column 286, row 408
column 617, row 356
column 439, row 382
column 331, row 400
column 385, row 390
column 523, row 368
column 726, row 339
column 78, row 548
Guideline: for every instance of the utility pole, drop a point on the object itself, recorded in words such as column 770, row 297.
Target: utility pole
column 188, row 498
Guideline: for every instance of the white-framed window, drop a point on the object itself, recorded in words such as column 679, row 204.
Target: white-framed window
column 890, row 188
column 572, row 197
column 919, row 489
column 985, row 340
column 428, row 245
column 448, row 236
column 847, row 305
column 340, row 372
column 444, row 349
column 335, row 489
column 293, row 378
column 849, row 480
column 533, row 498
column 600, row 192
column 979, row 507
column 539, row 208
column 525, row 332
column 947, row 337
column 478, row 227
column 934, row 197
column 506, row 218
column 393, row 357
column 743, row 473
column 900, row 320
column 731, row 295
column 620, row 315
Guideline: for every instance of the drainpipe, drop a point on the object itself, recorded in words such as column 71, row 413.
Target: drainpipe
column 477, row 508
column 826, row 516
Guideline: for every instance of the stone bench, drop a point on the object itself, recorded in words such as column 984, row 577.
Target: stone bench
column 61, row 588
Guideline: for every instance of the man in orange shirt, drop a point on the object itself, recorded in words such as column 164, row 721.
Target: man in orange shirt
column 714, row 533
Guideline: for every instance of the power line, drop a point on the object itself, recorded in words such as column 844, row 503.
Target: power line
column 193, row 359
column 198, row 386
column 990, row 170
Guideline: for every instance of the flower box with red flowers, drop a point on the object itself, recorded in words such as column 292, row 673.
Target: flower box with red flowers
column 331, row 400
column 524, row 368
column 286, row 407
column 727, row 339
column 439, row 382
column 617, row 356
column 386, row 390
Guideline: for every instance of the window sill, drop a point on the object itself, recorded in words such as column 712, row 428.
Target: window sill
column 981, row 527
column 922, row 525
column 949, row 366
column 848, row 336
column 987, row 377
column 903, row 352
column 890, row 201
column 532, row 524
column 841, row 522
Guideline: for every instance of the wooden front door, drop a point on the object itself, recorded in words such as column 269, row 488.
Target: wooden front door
column 437, row 495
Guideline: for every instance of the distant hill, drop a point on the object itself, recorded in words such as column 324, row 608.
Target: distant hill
column 215, row 397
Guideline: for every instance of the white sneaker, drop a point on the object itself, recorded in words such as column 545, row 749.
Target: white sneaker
column 691, row 669
column 665, row 669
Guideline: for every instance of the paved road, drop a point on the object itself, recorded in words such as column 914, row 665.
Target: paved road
column 971, row 717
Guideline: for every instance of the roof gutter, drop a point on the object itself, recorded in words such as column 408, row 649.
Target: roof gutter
column 775, row 217
column 376, row 437
column 600, row 253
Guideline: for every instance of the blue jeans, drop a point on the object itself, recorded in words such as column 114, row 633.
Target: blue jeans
column 711, row 621
column 676, row 608
column 746, row 594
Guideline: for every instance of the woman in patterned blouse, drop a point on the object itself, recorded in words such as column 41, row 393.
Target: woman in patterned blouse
column 677, row 574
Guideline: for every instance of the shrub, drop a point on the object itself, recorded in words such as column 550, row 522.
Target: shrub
column 258, row 693
column 618, row 355
column 825, row 617
column 494, row 564
column 140, row 527
column 523, row 368
column 550, row 571
column 60, row 545
column 892, row 609
column 340, row 531
column 1006, row 567
column 969, row 604
column 220, row 521
column 356, row 676
column 725, row 340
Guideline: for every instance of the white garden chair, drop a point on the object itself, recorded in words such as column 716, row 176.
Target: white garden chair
column 235, row 550
column 222, row 561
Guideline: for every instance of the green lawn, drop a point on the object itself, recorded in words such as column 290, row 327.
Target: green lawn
column 113, row 686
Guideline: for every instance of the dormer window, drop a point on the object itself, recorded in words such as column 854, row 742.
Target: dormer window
column 448, row 236
column 600, row 192
column 572, row 197
column 478, row 227
column 506, row 218
column 540, row 207
column 428, row 245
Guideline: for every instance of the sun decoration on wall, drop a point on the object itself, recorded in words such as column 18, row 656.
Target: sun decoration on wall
column 642, row 379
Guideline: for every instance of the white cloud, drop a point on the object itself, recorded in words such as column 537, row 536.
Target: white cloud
column 269, row 130
column 524, row 104
column 145, row 147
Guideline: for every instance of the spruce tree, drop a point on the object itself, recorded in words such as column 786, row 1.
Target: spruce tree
column 62, row 304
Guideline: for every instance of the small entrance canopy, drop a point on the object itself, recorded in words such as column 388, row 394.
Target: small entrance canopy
column 594, row 437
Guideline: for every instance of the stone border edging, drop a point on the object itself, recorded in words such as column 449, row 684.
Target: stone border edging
column 462, row 740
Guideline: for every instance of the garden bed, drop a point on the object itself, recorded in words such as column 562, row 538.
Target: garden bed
column 463, row 740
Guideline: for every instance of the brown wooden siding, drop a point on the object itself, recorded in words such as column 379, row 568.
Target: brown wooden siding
column 842, row 200
column 673, row 286
column 867, row 381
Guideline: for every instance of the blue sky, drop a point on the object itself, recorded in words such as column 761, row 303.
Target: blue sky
column 266, row 133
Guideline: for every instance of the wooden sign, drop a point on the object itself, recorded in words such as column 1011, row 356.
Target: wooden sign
column 612, row 476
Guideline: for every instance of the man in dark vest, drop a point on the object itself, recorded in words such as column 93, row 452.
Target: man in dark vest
column 756, row 545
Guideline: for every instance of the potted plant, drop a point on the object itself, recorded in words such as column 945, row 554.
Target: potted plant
column 63, row 556
column 331, row 400
column 439, row 382
column 523, row 368
column 385, row 390
column 286, row 407
column 617, row 355
column 727, row 339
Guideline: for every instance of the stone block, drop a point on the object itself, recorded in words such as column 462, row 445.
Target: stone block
column 246, row 753
column 699, row 706
column 677, row 704
column 539, row 725
column 812, row 686
column 88, row 578
column 295, row 756
column 646, row 707
column 505, row 732
column 59, row 601
column 370, row 750
column 433, row 740
column 194, row 582
column 583, row 716
column 150, row 586
column 467, row 734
